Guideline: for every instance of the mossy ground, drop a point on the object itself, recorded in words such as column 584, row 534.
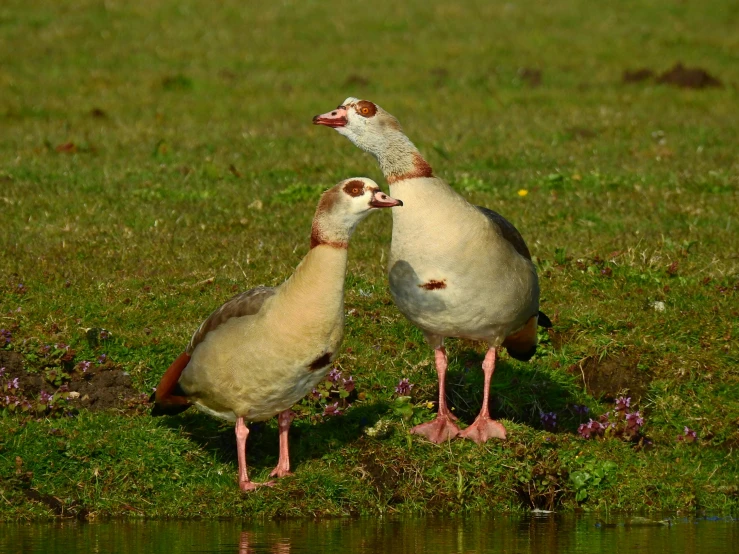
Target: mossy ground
column 157, row 158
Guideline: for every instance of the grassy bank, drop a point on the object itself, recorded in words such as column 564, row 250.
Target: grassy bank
column 156, row 159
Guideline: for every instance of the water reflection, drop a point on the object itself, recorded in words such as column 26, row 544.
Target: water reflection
column 540, row 534
column 248, row 544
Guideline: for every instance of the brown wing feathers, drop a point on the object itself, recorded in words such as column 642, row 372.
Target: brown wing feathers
column 170, row 398
column 245, row 303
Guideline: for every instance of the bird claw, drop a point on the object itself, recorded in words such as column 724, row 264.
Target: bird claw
column 484, row 429
column 280, row 472
column 248, row 486
column 440, row 430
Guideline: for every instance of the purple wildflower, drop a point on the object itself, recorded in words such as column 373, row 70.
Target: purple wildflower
column 634, row 420
column 580, row 409
column 61, row 346
column 548, row 420
column 332, row 409
column 688, row 435
column 104, row 334
column 84, row 366
column 334, row 375
column 348, row 384
column 12, row 400
column 45, row 397
column 404, row 387
column 13, row 384
column 102, row 358
column 591, row 429
column 2, row 371
column 314, row 394
column 622, row 403
column 5, row 336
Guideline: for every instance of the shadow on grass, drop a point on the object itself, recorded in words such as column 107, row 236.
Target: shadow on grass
column 520, row 391
column 308, row 440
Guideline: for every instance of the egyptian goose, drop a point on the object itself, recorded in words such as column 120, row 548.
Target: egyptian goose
column 455, row 269
column 264, row 349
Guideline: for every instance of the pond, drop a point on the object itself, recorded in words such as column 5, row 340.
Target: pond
column 536, row 533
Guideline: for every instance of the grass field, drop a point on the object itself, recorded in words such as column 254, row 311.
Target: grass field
column 155, row 158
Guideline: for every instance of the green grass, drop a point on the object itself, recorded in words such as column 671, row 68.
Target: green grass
column 191, row 170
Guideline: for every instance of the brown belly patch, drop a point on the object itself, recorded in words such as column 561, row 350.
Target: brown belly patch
column 433, row 284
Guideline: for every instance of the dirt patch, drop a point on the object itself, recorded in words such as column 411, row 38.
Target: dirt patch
column 637, row 75
column 101, row 386
column 560, row 338
column 677, row 76
column 356, row 80
column 613, row 375
column 531, row 77
column 581, row 132
column 440, row 75
column 688, row 77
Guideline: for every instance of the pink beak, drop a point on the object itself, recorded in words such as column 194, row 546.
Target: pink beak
column 382, row 200
column 335, row 118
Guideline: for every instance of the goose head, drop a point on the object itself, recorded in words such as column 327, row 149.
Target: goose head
column 364, row 123
column 343, row 206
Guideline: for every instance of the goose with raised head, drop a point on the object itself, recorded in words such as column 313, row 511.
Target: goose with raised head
column 455, row 269
column 265, row 349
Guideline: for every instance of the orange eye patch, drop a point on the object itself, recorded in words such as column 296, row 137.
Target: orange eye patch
column 354, row 188
column 366, row 108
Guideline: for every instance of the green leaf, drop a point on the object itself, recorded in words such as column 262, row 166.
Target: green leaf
column 403, row 408
column 579, row 479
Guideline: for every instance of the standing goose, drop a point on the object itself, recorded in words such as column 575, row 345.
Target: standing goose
column 455, row 269
column 265, row 349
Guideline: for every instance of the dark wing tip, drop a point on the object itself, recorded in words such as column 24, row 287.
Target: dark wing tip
column 544, row 321
column 522, row 355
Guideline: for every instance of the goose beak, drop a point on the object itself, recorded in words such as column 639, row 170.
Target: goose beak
column 382, row 200
column 334, row 118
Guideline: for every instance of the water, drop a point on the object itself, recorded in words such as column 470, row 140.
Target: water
column 483, row 534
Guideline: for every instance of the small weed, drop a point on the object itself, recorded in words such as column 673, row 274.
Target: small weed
column 593, row 474
column 620, row 424
column 330, row 398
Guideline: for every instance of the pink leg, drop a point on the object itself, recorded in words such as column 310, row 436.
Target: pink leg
column 443, row 427
column 242, row 431
column 283, row 464
column 484, row 427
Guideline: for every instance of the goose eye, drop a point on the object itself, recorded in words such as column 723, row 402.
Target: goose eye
column 366, row 108
column 354, row 188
